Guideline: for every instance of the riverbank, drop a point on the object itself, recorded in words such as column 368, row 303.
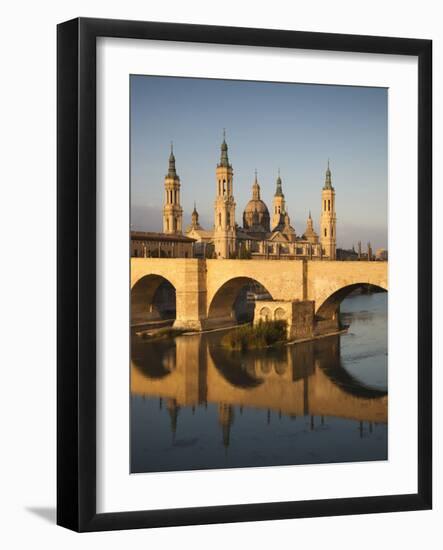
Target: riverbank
column 343, row 330
column 160, row 334
column 236, row 337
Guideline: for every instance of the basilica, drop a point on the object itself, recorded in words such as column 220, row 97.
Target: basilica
column 263, row 235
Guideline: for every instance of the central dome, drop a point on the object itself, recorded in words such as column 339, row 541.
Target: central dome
column 256, row 216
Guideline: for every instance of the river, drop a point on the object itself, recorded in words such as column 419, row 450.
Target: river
column 195, row 405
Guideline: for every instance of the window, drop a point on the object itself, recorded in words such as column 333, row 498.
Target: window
column 219, row 219
column 326, row 232
column 324, row 204
column 329, row 205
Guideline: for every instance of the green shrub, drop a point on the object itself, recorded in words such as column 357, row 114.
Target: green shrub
column 262, row 335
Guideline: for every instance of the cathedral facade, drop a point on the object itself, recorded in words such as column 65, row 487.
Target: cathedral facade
column 264, row 234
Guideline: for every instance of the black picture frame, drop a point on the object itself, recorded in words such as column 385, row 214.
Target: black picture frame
column 76, row 265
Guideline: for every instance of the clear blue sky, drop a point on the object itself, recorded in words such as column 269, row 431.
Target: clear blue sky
column 294, row 127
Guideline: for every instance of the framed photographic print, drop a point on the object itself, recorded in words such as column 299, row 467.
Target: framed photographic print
column 244, row 274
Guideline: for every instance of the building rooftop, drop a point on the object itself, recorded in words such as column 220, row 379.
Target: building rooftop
column 162, row 237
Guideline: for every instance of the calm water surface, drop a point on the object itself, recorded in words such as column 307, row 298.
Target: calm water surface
column 194, row 405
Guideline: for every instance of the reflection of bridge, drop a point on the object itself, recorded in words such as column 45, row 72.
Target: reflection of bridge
column 306, row 379
column 206, row 289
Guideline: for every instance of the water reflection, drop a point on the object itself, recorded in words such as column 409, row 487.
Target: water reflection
column 197, row 405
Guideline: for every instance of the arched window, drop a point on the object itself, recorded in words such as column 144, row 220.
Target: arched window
column 324, row 205
column 219, row 219
column 329, row 205
column 332, row 231
column 265, row 314
column 228, row 219
column 167, row 224
column 326, row 232
column 279, row 313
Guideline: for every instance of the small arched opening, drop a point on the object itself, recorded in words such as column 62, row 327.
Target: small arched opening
column 279, row 314
column 265, row 314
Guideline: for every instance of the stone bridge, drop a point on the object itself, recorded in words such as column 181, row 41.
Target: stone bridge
column 206, row 290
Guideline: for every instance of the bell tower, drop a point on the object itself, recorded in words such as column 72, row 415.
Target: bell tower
column 328, row 219
column 224, row 207
column 278, row 204
column 172, row 211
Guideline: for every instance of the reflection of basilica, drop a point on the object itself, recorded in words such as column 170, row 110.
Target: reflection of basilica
column 262, row 236
column 302, row 380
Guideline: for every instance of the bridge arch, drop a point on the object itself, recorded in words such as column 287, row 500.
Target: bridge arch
column 221, row 308
column 153, row 298
column 329, row 306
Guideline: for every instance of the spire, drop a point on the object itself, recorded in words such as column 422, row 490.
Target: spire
column 256, row 189
column 309, row 224
column 278, row 190
column 226, row 419
column 172, row 172
column 194, row 216
column 194, row 219
column 328, row 179
column 224, row 161
column 173, row 410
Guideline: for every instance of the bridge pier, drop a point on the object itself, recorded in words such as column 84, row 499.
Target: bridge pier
column 298, row 314
column 328, row 326
column 191, row 297
column 302, row 323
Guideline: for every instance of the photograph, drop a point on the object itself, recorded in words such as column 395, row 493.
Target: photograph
column 258, row 246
